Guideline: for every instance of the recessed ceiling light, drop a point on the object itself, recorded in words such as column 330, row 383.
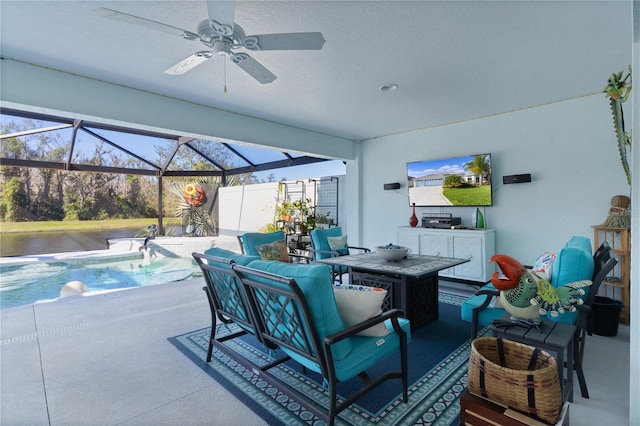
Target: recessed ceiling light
column 388, row 87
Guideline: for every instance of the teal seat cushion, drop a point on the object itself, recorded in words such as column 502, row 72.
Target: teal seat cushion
column 485, row 316
column 368, row 351
column 253, row 239
column 315, row 283
column 319, row 240
column 240, row 259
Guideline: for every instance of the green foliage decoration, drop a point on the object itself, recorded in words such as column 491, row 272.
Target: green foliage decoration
column 618, row 90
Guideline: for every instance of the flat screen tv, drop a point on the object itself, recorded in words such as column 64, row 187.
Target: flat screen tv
column 455, row 181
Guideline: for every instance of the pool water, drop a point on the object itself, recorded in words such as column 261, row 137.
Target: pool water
column 39, row 282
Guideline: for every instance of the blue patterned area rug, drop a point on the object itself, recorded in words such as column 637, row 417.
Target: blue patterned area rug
column 438, row 357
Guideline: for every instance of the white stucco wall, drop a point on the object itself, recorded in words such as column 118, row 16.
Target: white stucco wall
column 568, row 147
column 246, row 208
column 250, row 207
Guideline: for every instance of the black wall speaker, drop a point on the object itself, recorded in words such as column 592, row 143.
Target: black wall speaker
column 388, row 186
column 516, row 178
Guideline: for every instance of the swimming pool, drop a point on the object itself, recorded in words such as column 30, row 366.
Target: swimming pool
column 42, row 281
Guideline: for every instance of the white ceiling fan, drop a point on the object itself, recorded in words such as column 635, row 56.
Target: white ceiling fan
column 222, row 36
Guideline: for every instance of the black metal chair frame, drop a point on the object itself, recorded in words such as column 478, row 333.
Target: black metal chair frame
column 336, row 271
column 283, row 318
column 227, row 300
column 604, row 262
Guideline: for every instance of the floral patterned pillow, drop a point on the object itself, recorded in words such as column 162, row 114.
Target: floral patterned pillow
column 276, row 250
column 544, row 265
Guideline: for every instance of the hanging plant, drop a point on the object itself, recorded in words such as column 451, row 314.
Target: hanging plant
column 618, row 90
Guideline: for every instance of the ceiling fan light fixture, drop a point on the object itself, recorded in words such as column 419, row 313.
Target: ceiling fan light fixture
column 223, row 36
column 390, row 87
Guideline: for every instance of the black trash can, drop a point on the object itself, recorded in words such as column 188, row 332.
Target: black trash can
column 604, row 316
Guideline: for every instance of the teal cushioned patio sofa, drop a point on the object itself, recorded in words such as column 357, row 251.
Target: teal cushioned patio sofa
column 293, row 307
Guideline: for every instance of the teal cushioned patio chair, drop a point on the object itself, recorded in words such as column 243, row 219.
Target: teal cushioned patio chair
column 295, row 309
column 320, row 248
column 574, row 262
column 251, row 240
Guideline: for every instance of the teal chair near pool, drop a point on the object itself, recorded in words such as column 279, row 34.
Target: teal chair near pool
column 251, row 241
column 329, row 242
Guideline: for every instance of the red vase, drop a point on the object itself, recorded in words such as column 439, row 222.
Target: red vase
column 413, row 221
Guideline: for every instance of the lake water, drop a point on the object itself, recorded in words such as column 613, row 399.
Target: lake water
column 25, row 243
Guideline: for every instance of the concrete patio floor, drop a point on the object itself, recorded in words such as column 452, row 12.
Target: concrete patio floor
column 105, row 360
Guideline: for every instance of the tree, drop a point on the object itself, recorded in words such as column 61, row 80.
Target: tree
column 453, row 181
column 13, row 204
column 480, row 166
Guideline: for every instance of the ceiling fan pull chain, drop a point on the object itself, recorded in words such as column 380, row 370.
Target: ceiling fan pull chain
column 225, row 76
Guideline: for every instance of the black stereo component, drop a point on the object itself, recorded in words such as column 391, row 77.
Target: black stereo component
column 439, row 220
column 516, row 178
column 388, row 186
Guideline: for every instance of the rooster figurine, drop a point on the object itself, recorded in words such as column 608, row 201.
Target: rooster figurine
column 525, row 296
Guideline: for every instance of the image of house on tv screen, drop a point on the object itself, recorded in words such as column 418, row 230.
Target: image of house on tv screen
column 459, row 181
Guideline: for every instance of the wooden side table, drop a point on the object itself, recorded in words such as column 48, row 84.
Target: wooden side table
column 555, row 337
column 618, row 284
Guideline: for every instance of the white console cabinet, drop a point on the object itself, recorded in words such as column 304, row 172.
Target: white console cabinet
column 477, row 245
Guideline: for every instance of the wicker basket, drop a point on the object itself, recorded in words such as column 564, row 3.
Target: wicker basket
column 515, row 375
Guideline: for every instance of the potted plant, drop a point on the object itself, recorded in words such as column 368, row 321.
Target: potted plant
column 324, row 219
column 304, row 214
column 284, row 211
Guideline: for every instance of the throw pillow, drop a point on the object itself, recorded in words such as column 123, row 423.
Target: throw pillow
column 544, row 265
column 276, row 250
column 357, row 303
column 339, row 244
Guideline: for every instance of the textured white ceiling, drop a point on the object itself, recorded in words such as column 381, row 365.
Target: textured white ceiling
column 452, row 61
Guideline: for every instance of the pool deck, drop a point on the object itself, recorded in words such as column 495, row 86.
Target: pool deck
column 104, row 359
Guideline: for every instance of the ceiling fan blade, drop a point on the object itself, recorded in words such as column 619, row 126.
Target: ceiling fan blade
column 254, row 68
column 136, row 20
column 189, row 63
column 221, row 15
column 285, row 41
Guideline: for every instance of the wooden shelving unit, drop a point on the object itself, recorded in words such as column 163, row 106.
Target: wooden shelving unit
column 617, row 285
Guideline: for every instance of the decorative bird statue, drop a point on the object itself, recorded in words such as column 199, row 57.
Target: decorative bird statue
column 525, row 296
